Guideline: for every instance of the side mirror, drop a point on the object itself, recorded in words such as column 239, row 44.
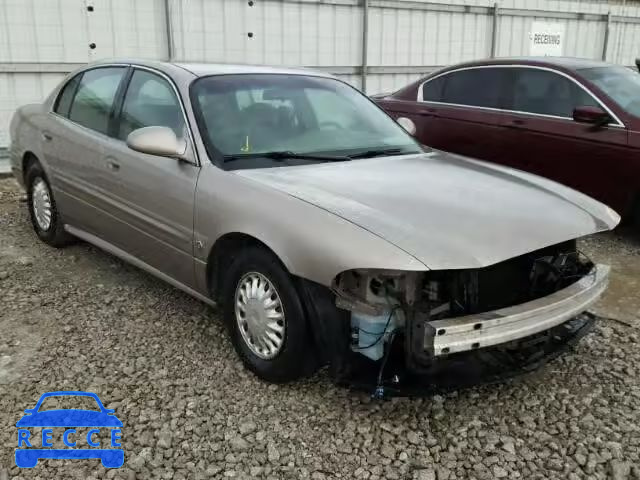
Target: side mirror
column 161, row 141
column 593, row 115
column 407, row 124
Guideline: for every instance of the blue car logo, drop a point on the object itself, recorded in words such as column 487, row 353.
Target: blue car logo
column 28, row 456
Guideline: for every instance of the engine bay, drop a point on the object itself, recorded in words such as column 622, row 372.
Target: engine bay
column 391, row 313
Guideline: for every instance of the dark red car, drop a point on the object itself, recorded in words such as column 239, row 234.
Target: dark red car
column 572, row 120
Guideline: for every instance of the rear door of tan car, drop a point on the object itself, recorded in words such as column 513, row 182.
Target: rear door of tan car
column 76, row 137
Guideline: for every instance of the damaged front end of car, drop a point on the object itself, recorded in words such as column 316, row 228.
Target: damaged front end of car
column 403, row 333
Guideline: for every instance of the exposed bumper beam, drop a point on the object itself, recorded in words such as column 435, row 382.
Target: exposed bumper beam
column 512, row 323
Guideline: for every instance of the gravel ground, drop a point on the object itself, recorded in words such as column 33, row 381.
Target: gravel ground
column 78, row 319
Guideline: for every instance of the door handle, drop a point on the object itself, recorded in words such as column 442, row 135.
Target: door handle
column 46, row 137
column 427, row 111
column 113, row 165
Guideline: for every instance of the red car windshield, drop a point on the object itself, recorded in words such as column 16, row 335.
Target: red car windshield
column 621, row 84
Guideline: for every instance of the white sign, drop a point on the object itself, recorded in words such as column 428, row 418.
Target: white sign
column 546, row 39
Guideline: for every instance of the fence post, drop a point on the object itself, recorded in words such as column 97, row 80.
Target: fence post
column 167, row 17
column 365, row 45
column 605, row 43
column 494, row 30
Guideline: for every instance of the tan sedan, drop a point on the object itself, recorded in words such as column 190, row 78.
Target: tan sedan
column 327, row 233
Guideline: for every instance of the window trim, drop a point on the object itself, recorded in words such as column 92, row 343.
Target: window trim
column 420, row 97
column 116, row 108
column 58, row 98
column 125, row 66
column 121, row 99
column 501, row 94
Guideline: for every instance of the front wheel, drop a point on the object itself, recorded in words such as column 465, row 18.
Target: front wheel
column 265, row 318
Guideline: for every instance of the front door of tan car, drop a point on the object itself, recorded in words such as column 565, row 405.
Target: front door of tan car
column 154, row 196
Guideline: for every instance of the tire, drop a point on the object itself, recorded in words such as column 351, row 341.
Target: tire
column 294, row 358
column 52, row 231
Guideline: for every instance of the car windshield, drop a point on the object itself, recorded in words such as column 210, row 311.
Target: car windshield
column 620, row 83
column 255, row 121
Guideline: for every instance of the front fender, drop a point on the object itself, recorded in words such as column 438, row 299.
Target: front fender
column 311, row 242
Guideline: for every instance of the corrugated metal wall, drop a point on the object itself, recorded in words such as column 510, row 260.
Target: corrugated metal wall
column 281, row 32
column 40, row 40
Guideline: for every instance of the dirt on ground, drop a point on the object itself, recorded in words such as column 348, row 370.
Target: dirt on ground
column 79, row 319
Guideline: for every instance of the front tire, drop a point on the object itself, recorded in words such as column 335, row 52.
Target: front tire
column 265, row 318
column 43, row 211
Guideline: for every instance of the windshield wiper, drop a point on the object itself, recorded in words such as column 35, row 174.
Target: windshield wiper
column 286, row 155
column 378, row 153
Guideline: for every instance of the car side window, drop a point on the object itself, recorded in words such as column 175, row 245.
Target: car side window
column 63, row 102
column 150, row 101
column 547, row 93
column 91, row 106
column 432, row 90
column 477, row 87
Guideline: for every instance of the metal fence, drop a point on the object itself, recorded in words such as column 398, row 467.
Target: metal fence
column 377, row 45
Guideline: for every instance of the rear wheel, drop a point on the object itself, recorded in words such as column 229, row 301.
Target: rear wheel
column 265, row 318
column 43, row 211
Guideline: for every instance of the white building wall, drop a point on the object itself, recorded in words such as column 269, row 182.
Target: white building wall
column 41, row 40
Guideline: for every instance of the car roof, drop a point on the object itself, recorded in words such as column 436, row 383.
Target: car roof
column 205, row 69
column 568, row 63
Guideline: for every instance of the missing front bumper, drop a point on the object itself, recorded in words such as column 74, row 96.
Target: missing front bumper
column 512, row 341
column 471, row 332
column 475, row 367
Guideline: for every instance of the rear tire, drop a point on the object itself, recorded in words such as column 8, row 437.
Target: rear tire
column 265, row 319
column 43, row 212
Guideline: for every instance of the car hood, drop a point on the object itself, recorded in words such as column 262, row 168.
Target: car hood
column 447, row 211
column 69, row 418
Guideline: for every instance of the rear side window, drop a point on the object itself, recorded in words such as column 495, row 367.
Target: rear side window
column 91, row 107
column 547, row 93
column 432, row 90
column 63, row 103
column 150, row 101
column 477, row 87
